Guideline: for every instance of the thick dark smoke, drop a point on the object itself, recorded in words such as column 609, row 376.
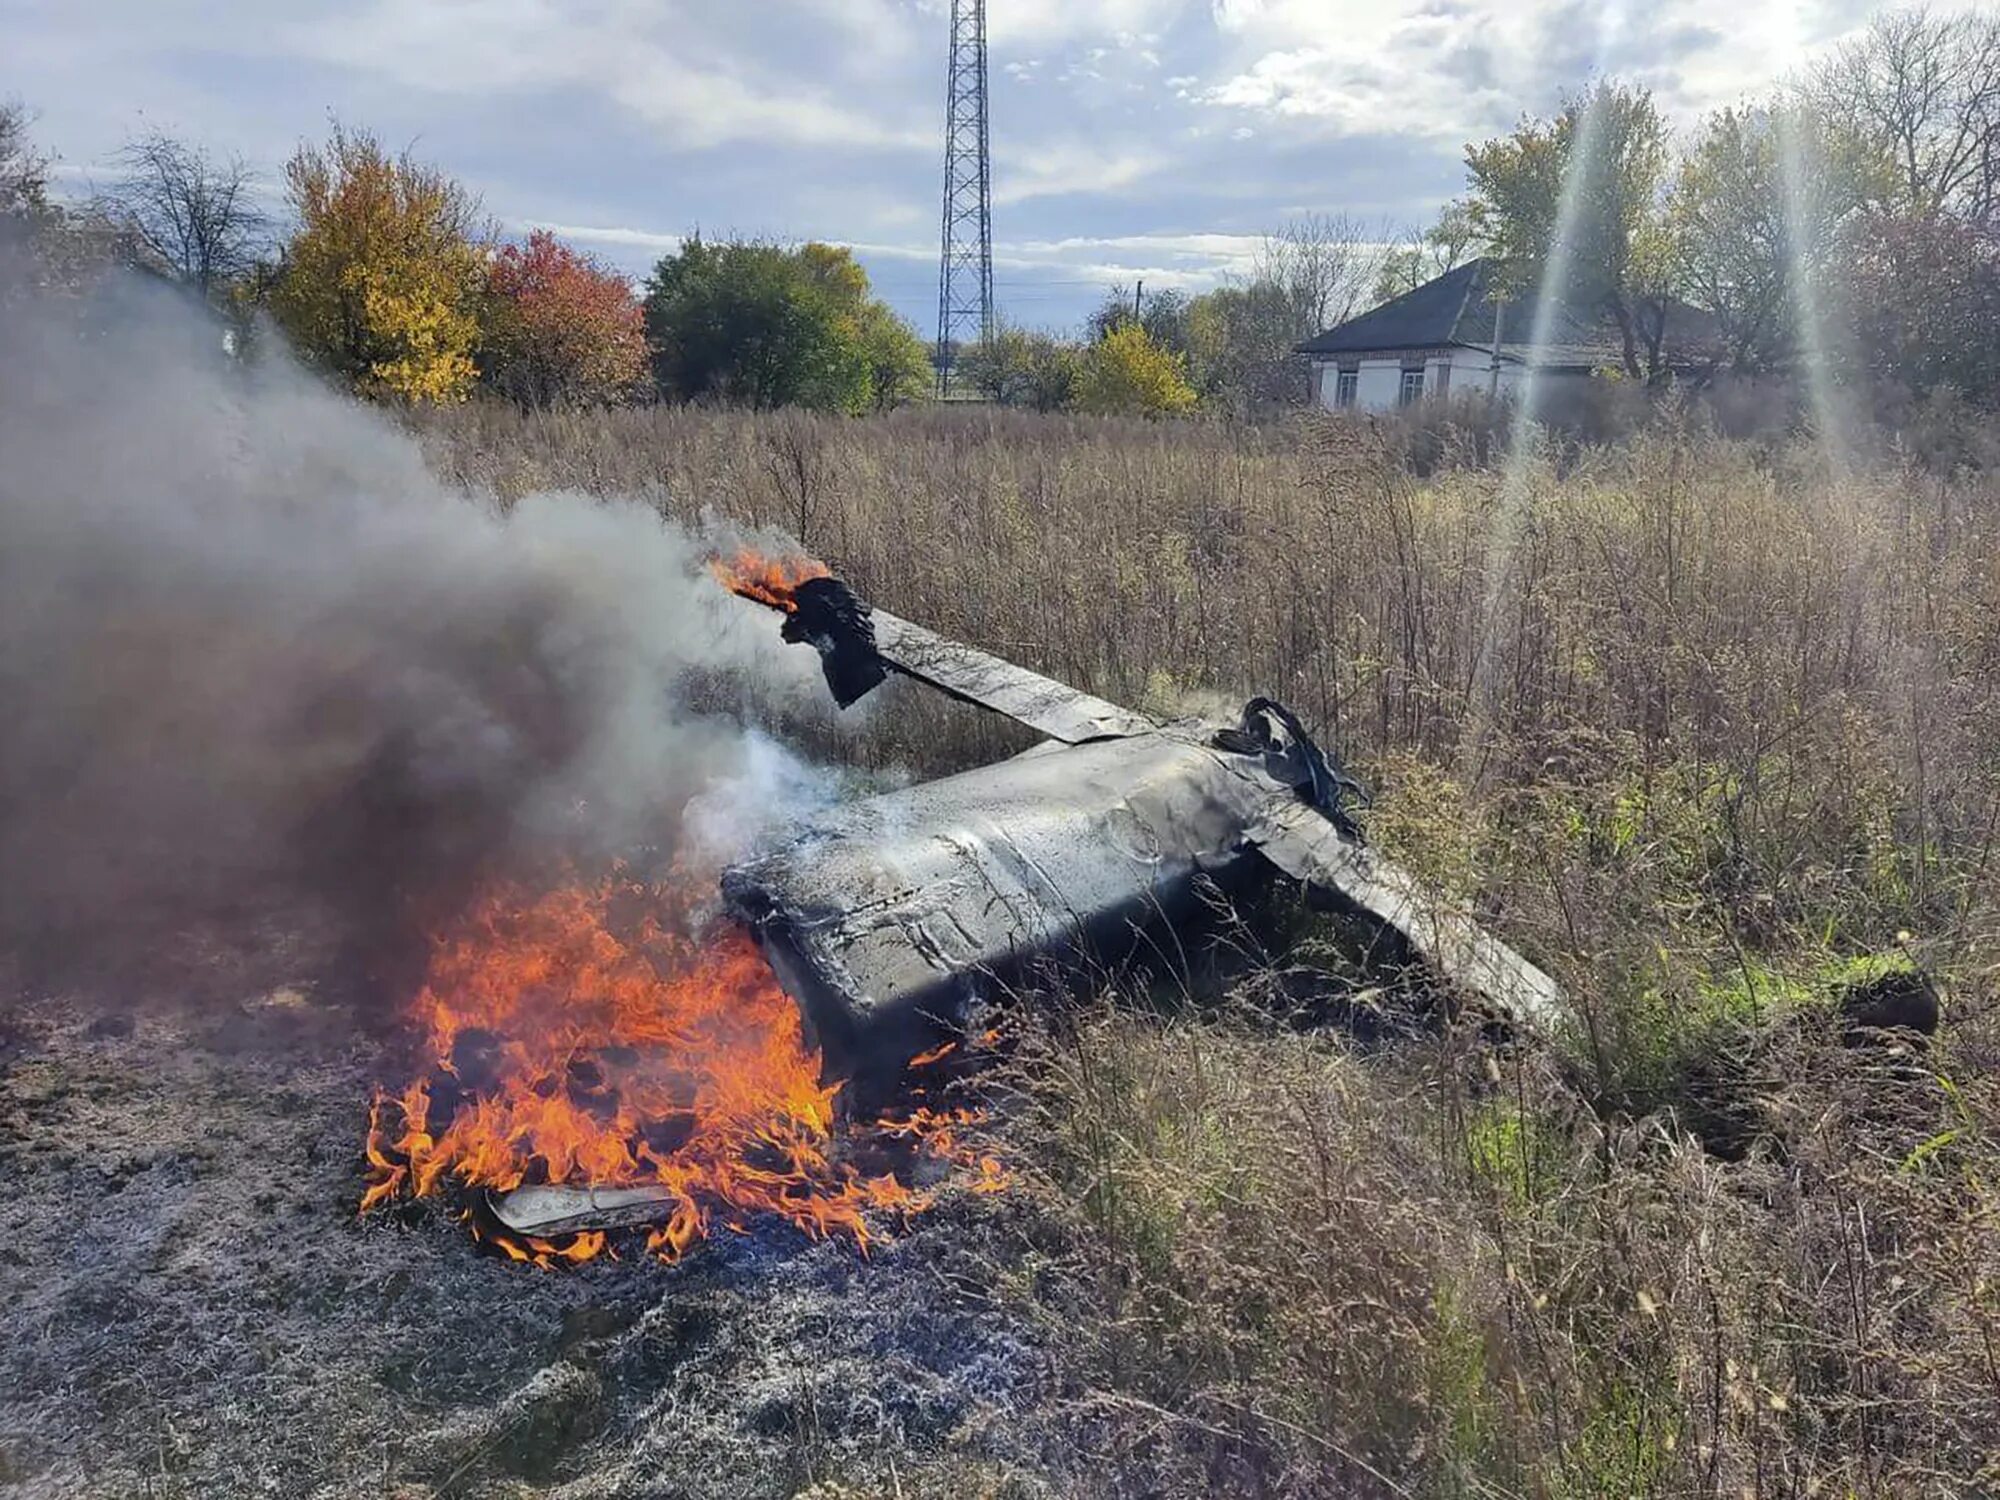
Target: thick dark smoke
column 251, row 649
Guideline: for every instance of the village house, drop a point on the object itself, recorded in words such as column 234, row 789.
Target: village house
column 1461, row 333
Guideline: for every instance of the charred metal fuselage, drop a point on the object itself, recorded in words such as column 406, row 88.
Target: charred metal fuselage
column 888, row 917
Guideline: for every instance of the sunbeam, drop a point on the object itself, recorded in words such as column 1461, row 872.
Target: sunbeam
column 1510, row 514
column 1805, row 290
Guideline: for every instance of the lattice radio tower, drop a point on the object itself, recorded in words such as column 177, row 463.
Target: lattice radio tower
column 965, row 270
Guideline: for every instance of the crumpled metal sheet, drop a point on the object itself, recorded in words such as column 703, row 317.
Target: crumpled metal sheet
column 888, row 917
column 550, row 1210
column 1043, row 704
column 1307, row 847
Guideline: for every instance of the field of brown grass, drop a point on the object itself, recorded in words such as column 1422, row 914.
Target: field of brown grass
column 1709, row 729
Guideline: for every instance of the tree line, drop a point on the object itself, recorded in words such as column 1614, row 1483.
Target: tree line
column 1849, row 222
column 388, row 279
column 1169, row 352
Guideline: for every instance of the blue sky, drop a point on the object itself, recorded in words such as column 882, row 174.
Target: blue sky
column 1154, row 139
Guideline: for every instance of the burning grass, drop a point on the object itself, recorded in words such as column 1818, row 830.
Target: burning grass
column 600, row 1034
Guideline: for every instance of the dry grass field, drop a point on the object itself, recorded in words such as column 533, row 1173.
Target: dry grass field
column 1709, row 728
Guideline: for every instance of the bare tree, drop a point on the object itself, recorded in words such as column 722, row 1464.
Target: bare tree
column 194, row 214
column 45, row 248
column 24, row 174
column 1416, row 256
column 1327, row 265
column 1451, row 238
column 1924, row 89
column 1403, row 268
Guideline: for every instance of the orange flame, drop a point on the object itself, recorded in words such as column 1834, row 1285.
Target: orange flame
column 576, row 1038
column 768, row 580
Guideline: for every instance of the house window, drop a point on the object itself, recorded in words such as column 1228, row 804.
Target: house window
column 1345, row 384
column 1413, row 386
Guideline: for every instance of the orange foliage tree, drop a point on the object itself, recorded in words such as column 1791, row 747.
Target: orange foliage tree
column 560, row 328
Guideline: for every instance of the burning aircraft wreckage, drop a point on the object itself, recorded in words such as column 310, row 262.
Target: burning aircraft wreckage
column 867, row 944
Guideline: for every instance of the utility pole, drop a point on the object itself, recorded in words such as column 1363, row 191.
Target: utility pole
column 965, row 270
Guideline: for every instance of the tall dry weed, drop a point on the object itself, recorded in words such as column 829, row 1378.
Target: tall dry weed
column 1708, row 728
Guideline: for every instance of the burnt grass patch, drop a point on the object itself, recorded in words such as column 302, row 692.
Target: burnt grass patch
column 193, row 1306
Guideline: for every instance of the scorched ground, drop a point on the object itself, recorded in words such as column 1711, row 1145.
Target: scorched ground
column 193, row 1308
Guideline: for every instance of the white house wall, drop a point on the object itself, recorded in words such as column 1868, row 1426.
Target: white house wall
column 1472, row 370
column 1380, row 383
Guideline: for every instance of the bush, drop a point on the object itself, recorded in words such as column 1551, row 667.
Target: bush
column 763, row 326
column 1017, row 368
column 1126, row 374
column 559, row 328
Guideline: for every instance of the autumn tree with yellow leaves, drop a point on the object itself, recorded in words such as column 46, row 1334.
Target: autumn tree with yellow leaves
column 1127, row 373
column 381, row 282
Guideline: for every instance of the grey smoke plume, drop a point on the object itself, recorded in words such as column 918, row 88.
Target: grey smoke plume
column 249, row 645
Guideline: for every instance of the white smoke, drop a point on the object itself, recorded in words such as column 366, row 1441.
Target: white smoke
column 248, row 642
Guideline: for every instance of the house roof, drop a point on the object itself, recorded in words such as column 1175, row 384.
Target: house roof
column 1460, row 308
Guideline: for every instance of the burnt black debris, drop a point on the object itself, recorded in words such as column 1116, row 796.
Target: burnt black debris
column 1897, row 999
column 833, row 619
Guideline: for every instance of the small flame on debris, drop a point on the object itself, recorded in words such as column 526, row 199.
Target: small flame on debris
column 768, row 580
column 582, row 1037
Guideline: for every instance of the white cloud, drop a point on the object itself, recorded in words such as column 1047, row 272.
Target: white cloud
column 1023, row 23
column 596, row 234
column 1055, row 171
column 927, row 252
column 1352, row 95
column 1236, row 15
column 656, row 60
column 1448, row 69
column 1106, row 273
column 1211, row 249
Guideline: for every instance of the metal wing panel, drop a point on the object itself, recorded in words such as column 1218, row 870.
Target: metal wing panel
column 1043, row 704
column 565, row 1209
column 1303, row 844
